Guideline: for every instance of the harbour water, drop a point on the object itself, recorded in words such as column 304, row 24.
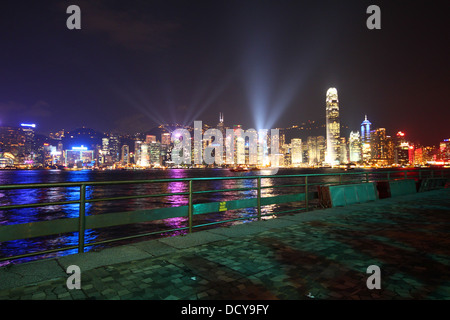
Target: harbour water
column 25, row 196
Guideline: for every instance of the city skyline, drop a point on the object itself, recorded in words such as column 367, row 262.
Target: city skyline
column 134, row 65
column 20, row 147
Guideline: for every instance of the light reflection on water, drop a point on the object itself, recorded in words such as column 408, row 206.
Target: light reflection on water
column 24, row 196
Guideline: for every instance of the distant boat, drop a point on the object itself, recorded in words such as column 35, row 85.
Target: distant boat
column 239, row 169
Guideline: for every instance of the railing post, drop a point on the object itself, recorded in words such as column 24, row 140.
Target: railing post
column 258, row 199
column 306, row 194
column 367, row 177
column 340, row 178
column 190, row 207
column 82, row 218
column 406, row 174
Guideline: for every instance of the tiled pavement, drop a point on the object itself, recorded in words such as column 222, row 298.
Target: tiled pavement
column 322, row 254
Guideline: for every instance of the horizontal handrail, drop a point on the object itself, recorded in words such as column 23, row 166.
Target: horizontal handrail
column 121, row 182
column 186, row 211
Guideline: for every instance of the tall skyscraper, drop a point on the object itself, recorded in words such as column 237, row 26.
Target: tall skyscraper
column 354, row 143
column 365, row 130
column 333, row 127
column 378, row 144
column 296, row 151
column 316, row 150
column 166, row 138
column 114, row 147
column 154, row 150
column 125, row 154
column 28, row 129
column 444, row 150
column 401, row 153
column 365, row 140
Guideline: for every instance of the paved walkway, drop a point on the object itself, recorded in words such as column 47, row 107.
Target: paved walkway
column 323, row 254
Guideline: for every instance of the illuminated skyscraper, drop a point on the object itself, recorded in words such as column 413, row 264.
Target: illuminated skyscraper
column 355, row 146
column 316, row 150
column 296, row 151
column 28, row 129
column 444, row 150
column 365, row 131
column 154, row 150
column 333, row 127
column 114, row 147
column 125, row 154
column 166, row 138
column 365, row 140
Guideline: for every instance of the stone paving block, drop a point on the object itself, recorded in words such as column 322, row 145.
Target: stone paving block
column 191, row 240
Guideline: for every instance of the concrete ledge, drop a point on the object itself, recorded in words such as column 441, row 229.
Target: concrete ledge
column 32, row 272
column 240, row 230
column 155, row 247
column 429, row 184
column 108, row 256
column 191, row 240
column 395, row 188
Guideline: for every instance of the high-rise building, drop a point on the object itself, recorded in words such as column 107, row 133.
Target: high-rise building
column 343, row 150
column 114, row 147
column 137, row 152
column 365, row 140
column 296, row 151
column 444, row 150
column 332, row 127
column 150, row 138
column 125, row 154
column 382, row 147
column 28, row 129
column 401, row 149
column 12, row 140
column 166, row 138
column 355, row 146
column 316, row 150
column 154, row 150
column 365, row 130
column 144, row 159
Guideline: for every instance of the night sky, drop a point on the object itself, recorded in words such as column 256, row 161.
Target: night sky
column 264, row 64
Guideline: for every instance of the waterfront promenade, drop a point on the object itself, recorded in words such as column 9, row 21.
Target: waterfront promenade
column 321, row 254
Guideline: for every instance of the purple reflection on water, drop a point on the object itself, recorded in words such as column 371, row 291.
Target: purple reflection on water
column 177, row 200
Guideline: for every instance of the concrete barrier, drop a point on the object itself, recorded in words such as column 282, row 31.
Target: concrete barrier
column 342, row 195
column 429, row 184
column 394, row 188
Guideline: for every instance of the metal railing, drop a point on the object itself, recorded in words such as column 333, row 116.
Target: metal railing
column 11, row 232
